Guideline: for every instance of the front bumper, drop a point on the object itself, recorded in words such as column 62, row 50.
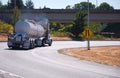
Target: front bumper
column 22, row 44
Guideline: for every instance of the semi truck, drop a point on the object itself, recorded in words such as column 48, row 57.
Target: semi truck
column 30, row 33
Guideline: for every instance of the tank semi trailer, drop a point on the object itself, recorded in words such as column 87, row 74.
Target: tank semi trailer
column 30, row 33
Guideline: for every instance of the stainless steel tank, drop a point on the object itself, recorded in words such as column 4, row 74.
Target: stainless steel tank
column 32, row 27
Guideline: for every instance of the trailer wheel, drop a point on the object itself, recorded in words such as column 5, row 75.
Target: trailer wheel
column 43, row 42
column 38, row 43
column 32, row 44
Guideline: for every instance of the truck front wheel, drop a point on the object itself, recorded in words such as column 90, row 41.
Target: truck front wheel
column 43, row 42
column 50, row 42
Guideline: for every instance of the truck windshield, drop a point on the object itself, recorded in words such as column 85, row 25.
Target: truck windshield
column 20, row 34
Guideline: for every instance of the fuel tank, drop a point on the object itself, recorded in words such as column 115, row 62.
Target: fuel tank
column 32, row 27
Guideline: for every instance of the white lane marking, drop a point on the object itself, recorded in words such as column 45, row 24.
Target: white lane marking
column 6, row 74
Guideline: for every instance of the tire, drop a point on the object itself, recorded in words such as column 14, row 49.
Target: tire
column 43, row 42
column 50, row 42
column 32, row 44
column 38, row 43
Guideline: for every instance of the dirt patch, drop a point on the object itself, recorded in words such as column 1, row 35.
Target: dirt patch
column 103, row 55
column 3, row 37
column 61, row 38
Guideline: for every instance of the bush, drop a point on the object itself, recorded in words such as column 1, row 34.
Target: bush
column 61, row 34
column 94, row 37
column 5, row 27
column 97, row 37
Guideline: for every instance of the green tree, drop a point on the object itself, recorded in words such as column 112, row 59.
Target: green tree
column 53, row 26
column 45, row 7
column 78, row 24
column 68, row 7
column 18, row 3
column 2, row 6
column 97, row 27
column 16, row 15
column 105, row 6
column 0, row 3
column 29, row 4
column 84, row 6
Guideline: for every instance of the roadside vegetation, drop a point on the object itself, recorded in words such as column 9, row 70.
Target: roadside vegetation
column 5, row 27
column 102, row 31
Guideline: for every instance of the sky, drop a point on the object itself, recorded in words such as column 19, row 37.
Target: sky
column 61, row 4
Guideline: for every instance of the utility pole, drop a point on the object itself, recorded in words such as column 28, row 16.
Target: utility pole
column 96, row 3
column 88, row 40
column 15, row 3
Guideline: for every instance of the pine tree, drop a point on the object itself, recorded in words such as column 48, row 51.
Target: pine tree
column 14, row 3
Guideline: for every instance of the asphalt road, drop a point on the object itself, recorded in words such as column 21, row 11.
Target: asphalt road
column 46, row 62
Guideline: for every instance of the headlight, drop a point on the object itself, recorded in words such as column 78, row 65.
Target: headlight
column 11, row 37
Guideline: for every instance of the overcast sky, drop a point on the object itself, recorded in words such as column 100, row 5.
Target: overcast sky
column 61, row 4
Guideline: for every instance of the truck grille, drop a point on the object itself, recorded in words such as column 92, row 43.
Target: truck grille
column 18, row 38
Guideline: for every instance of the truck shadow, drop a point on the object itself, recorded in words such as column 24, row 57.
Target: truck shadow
column 18, row 49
